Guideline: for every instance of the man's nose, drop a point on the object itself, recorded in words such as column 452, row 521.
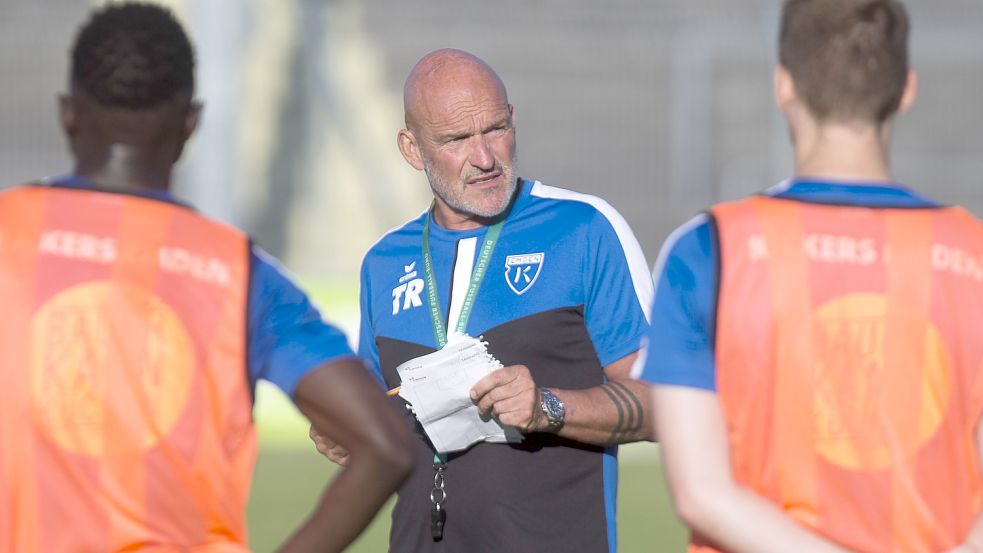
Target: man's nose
column 481, row 154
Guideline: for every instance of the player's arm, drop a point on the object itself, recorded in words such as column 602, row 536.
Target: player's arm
column 292, row 347
column 612, row 413
column 342, row 400
column 973, row 542
column 326, row 444
column 696, row 460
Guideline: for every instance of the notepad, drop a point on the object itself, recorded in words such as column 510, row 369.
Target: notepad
column 437, row 387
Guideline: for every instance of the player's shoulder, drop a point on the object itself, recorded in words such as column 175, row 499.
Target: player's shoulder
column 398, row 238
column 961, row 225
column 691, row 243
column 697, row 229
column 22, row 188
column 268, row 276
column 396, row 242
column 21, row 192
column 966, row 217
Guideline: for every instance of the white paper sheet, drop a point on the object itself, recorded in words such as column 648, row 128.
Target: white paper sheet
column 438, row 385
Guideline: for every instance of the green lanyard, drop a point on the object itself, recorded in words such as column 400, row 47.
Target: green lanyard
column 480, row 268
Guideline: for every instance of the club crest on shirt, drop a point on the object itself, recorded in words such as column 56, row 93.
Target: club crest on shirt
column 521, row 271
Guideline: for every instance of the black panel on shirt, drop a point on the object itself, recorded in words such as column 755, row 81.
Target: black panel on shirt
column 514, row 488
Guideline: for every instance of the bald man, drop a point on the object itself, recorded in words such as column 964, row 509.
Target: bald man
column 561, row 306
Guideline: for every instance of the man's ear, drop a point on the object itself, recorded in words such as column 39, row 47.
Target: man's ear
column 408, row 146
column 67, row 114
column 192, row 119
column 910, row 92
column 785, row 94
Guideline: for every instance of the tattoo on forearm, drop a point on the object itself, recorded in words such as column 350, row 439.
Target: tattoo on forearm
column 621, row 413
column 630, row 413
column 634, row 399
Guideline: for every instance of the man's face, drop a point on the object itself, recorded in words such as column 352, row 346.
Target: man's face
column 467, row 144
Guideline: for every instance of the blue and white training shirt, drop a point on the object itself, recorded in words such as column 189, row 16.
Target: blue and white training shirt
column 565, row 294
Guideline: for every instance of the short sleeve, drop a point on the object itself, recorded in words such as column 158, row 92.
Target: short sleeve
column 287, row 336
column 679, row 344
column 618, row 287
column 366, row 332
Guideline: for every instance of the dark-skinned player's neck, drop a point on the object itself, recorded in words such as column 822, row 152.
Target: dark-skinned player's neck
column 123, row 167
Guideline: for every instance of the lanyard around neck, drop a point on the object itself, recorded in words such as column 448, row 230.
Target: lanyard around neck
column 477, row 275
column 480, row 268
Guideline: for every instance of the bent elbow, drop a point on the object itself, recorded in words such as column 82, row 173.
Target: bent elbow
column 687, row 509
column 392, row 451
column 399, row 455
column 694, row 504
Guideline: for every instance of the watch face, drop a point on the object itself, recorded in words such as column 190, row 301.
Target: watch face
column 553, row 407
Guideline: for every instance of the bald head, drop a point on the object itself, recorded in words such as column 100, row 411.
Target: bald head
column 446, row 76
column 460, row 130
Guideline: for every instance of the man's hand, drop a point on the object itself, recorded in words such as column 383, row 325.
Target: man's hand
column 327, row 447
column 511, row 395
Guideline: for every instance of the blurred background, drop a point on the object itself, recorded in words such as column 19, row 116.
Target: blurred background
column 659, row 106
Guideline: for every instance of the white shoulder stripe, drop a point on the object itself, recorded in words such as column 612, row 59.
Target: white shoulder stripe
column 637, row 266
column 670, row 243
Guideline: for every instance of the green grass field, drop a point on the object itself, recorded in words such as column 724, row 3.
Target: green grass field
column 290, row 474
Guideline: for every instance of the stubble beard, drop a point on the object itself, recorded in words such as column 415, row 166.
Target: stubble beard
column 456, row 195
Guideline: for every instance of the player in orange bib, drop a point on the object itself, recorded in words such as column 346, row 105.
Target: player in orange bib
column 134, row 331
column 817, row 350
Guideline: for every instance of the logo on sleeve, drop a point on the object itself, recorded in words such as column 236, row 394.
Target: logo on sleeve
column 521, row 271
column 407, row 294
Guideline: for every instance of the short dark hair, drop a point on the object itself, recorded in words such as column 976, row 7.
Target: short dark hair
column 847, row 58
column 132, row 55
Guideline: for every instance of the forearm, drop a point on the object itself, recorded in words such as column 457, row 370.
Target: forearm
column 614, row 413
column 341, row 400
column 347, row 506
column 696, row 459
column 973, row 542
column 738, row 521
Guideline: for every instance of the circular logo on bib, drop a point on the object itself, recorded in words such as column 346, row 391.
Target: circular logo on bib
column 869, row 413
column 111, row 368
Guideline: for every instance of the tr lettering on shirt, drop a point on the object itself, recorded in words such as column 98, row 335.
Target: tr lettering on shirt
column 407, row 294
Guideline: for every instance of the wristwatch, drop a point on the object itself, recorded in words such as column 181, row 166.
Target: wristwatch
column 552, row 407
